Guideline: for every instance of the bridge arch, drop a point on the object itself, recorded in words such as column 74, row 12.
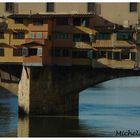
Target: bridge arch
column 54, row 90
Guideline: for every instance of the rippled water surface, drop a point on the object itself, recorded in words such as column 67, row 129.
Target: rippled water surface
column 103, row 109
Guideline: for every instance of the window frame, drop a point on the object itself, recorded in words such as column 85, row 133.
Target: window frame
column 2, row 35
column 82, row 37
column 17, row 51
column 2, row 52
column 50, row 9
column 91, row 9
column 16, row 35
column 9, row 7
column 130, row 36
column 37, row 22
column 101, row 36
column 133, row 7
column 62, row 21
column 21, row 21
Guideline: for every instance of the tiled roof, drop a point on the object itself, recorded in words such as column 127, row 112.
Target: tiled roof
column 31, row 44
column 17, row 27
column 46, row 15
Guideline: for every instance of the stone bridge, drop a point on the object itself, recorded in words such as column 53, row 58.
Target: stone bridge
column 54, row 90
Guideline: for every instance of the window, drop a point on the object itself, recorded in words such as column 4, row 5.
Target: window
column 19, row 20
column 81, row 38
column 39, row 35
column 103, row 36
column 32, row 51
column 50, row 7
column 102, row 54
column 81, row 21
column 25, row 52
column 124, row 36
column 37, row 21
column 79, row 54
column 133, row 56
column 109, row 55
column 65, row 52
column 17, row 52
column 32, row 35
column 125, row 53
column 9, row 7
column 61, row 36
column 117, row 55
column 1, row 51
column 133, row 7
column 90, row 7
column 39, row 52
column 62, row 21
column 60, row 52
column 1, row 35
column 3, row 26
column 18, row 35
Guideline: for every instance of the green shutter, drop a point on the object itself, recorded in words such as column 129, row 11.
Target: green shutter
column 109, row 55
column 39, row 35
column 133, row 56
column 90, row 54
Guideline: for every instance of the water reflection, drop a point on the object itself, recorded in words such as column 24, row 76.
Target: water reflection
column 110, row 106
column 8, row 114
column 40, row 126
column 103, row 109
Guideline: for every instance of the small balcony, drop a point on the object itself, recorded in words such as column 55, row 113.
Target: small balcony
column 83, row 45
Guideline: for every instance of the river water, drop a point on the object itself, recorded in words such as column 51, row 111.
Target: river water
column 104, row 110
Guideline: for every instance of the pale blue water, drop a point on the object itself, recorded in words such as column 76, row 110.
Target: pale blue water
column 103, row 109
column 110, row 106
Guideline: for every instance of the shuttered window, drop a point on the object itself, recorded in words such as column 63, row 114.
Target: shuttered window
column 9, row 7
column 32, row 35
column 39, row 35
column 38, row 22
column 39, row 52
column 81, row 38
column 79, row 54
column 50, row 7
column 133, row 7
column 81, row 21
column 103, row 36
column 91, row 7
column 117, row 55
column 1, row 51
column 124, row 36
column 109, row 55
column 62, row 21
column 18, row 35
column 25, row 52
column 133, row 56
column 1, row 35
column 61, row 36
column 17, row 52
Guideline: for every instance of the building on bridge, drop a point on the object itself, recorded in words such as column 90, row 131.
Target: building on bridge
column 66, row 39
